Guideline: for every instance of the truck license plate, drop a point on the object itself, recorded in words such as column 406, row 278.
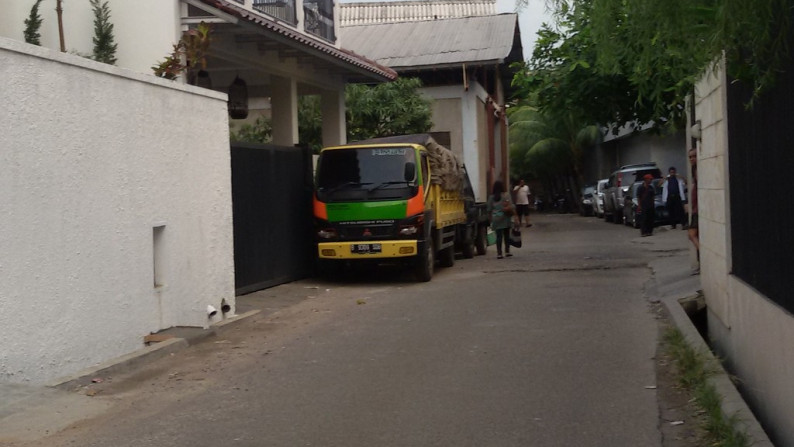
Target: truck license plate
column 365, row 248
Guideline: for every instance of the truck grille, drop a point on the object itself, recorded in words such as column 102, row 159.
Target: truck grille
column 359, row 232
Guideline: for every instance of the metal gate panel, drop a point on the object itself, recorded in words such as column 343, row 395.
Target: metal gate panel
column 271, row 193
column 762, row 204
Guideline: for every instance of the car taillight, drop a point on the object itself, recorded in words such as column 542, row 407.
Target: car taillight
column 620, row 179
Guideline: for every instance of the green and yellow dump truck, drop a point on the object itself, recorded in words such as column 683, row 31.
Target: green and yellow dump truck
column 404, row 198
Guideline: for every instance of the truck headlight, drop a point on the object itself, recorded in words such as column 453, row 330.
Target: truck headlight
column 408, row 230
column 412, row 226
column 327, row 233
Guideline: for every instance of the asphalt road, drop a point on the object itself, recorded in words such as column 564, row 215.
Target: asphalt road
column 554, row 346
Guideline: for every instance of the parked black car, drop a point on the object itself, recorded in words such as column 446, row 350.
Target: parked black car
column 631, row 202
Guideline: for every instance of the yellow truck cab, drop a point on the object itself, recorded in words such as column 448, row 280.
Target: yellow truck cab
column 401, row 198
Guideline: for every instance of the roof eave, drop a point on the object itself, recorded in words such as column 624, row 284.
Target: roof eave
column 357, row 64
column 399, row 68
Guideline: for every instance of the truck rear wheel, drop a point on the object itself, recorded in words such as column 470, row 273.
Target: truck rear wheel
column 424, row 264
column 468, row 242
column 481, row 241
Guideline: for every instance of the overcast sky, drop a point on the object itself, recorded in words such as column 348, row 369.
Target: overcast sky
column 529, row 21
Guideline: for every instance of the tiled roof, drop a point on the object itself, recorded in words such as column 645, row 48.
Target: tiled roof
column 408, row 11
column 310, row 44
column 435, row 43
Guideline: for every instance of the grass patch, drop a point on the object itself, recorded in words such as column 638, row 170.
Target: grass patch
column 693, row 370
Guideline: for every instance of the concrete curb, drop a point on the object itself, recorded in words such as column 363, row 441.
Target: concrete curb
column 732, row 402
column 150, row 353
column 120, row 364
column 223, row 325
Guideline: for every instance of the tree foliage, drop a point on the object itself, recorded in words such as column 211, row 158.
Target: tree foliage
column 188, row 56
column 33, row 25
column 684, row 37
column 535, row 150
column 393, row 108
column 104, row 41
column 545, row 146
column 260, row 132
column 310, row 123
column 566, row 78
column 639, row 59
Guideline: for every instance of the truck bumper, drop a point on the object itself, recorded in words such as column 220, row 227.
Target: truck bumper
column 367, row 250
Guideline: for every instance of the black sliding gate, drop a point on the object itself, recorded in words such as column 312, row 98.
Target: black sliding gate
column 761, row 162
column 271, row 194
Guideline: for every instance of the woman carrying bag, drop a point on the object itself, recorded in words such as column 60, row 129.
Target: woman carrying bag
column 500, row 213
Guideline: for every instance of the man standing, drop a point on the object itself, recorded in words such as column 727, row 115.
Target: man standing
column 646, row 205
column 522, row 201
column 672, row 196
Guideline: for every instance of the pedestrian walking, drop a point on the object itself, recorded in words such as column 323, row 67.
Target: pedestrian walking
column 522, row 193
column 645, row 197
column 673, row 196
column 500, row 213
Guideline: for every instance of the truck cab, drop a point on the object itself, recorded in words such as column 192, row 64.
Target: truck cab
column 379, row 201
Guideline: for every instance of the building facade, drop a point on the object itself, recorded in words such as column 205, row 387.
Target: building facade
column 461, row 50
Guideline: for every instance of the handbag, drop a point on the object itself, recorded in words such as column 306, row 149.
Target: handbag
column 515, row 235
column 490, row 237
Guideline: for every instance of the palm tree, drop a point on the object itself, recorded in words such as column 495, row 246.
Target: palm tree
column 549, row 148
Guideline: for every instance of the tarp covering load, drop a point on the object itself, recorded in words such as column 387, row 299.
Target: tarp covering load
column 447, row 169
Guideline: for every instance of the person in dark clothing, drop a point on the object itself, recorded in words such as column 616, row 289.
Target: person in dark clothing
column 646, row 204
column 673, row 196
column 501, row 211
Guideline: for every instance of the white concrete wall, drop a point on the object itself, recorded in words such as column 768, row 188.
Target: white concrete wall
column 145, row 30
column 456, row 111
column 92, row 159
column 754, row 335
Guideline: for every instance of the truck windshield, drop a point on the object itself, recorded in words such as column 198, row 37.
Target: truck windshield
column 365, row 174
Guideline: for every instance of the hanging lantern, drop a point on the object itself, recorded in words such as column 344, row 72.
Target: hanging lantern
column 238, row 99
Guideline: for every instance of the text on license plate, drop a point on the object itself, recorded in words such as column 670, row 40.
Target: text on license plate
column 365, row 248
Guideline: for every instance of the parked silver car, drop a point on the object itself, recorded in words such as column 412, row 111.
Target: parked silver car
column 598, row 200
column 587, row 207
column 618, row 186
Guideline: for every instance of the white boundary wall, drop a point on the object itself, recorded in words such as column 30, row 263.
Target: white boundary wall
column 752, row 333
column 144, row 30
column 93, row 159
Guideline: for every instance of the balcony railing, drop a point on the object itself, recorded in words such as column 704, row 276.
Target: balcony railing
column 280, row 9
column 318, row 18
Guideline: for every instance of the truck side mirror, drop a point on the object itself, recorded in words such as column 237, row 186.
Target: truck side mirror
column 410, row 172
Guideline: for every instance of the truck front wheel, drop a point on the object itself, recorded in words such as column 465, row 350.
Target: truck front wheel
column 424, row 265
column 329, row 269
column 469, row 242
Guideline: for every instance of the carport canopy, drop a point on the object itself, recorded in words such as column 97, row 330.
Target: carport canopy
column 278, row 64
